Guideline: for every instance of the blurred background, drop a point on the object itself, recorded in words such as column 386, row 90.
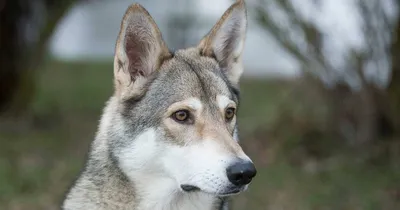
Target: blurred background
column 320, row 109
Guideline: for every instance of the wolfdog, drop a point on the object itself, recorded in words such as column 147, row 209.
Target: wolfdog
column 168, row 136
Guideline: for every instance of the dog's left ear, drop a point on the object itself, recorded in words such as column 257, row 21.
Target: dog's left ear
column 226, row 39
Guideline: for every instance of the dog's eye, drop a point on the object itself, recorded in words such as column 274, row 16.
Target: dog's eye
column 181, row 115
column 229, row 113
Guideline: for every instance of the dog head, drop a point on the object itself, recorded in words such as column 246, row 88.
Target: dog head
column 175, row 113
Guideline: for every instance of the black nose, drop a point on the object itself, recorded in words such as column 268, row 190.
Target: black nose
column 241, row 172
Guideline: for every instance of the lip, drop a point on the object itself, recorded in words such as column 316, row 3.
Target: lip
column 231, row 191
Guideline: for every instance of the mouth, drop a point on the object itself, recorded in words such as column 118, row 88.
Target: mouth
column 189, row 188
column 228, row 192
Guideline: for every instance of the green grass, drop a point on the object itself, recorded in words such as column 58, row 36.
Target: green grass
column 41, row 154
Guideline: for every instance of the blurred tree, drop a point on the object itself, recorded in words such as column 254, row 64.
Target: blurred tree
column 364, row 104
column 184, row 28
column 394, row 86
column 25, row 27
column 181, row 25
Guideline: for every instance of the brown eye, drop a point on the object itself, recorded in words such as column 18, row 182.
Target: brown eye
column 181, row 115
column 229, row 113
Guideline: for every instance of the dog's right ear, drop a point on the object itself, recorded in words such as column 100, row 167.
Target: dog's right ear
column 139, row 52
column 225, row 41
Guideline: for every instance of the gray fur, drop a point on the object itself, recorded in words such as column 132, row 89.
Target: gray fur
column 104, row 184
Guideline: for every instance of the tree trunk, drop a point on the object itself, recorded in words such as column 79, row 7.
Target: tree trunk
column 19, row 61
column 10, row 14
column 394, row 86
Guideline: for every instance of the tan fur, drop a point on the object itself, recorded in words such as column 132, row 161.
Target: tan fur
column 206, row 126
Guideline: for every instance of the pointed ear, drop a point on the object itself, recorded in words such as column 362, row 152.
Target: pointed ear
column 139, row 52
column 226, row 39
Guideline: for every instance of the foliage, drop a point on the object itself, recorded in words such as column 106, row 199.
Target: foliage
column 362, row 111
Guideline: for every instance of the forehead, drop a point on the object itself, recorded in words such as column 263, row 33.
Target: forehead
column 188, row 74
